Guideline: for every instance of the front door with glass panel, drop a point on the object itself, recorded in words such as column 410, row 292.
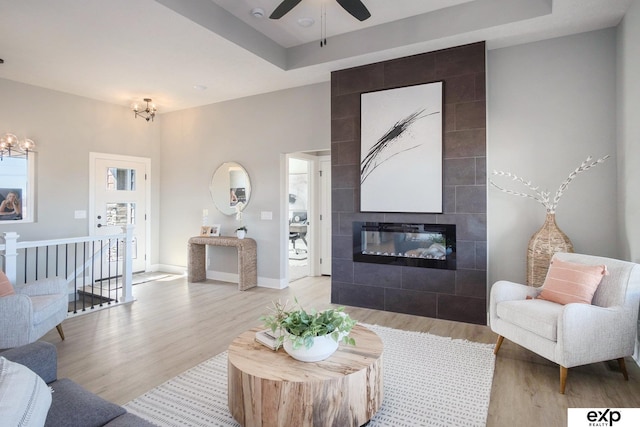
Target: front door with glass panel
column 119, row 194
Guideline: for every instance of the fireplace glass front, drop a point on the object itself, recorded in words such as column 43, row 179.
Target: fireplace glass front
column 414, row 245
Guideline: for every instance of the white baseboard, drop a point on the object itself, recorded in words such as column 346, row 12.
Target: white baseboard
column 167, row 268
column 263, row 282
column 222, row 276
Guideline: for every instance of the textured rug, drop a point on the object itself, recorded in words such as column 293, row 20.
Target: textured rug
column 428, row 381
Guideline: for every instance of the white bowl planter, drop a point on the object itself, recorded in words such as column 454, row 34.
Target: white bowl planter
column 322, row 348
column 240, row 234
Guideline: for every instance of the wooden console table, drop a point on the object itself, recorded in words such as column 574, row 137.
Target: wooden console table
column 271, row 389
column 247, row 259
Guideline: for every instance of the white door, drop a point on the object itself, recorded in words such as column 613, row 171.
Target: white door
column 120, row 197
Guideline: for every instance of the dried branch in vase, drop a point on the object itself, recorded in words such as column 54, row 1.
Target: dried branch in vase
column 543, row 197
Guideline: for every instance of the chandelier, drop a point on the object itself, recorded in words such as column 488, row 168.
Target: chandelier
column 147, row 113
column 11, row 146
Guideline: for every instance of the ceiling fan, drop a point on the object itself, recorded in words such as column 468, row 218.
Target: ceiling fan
column 354, row 7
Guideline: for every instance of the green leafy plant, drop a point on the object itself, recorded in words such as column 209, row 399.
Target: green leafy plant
column 301, row 326
column 244, row 228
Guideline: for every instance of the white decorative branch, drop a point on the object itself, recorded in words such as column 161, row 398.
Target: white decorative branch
column 543, row 197
column 239, row 206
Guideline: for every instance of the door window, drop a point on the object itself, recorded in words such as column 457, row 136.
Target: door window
column 121, row 179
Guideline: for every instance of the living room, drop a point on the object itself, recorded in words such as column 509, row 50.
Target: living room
column 550, row 103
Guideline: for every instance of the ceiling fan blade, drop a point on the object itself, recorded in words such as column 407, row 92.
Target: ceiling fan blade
column 355, row 8
column 283, row 8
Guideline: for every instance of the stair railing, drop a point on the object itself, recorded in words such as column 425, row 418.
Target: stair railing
column 98, row 269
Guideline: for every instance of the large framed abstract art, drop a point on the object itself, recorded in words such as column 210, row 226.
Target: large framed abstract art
column 401, row 149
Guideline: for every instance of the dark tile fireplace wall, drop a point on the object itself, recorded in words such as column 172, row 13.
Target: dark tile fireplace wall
column 444, row 294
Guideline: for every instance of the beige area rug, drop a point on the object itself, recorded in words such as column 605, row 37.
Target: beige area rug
column 428, row 381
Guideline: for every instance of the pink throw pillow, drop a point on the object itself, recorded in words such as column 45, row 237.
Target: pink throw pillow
column 568, row 282
column 5, row 285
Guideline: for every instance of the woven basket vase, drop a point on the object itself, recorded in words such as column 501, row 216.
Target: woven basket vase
column 542, row 245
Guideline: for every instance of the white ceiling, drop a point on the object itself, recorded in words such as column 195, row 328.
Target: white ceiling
column 122, row 50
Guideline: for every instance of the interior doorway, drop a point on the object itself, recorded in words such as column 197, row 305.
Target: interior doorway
column 299, row 206
column 308, row 214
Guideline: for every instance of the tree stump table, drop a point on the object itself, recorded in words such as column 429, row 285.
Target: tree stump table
column 270, row 388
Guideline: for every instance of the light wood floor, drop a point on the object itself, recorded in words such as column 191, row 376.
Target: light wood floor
column 121, row 352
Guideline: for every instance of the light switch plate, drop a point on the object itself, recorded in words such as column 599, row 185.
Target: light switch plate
column 266, row 215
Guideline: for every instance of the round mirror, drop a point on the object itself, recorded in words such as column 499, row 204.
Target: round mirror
column 230, row 188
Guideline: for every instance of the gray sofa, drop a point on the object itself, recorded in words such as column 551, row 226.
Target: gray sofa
column 72, row 405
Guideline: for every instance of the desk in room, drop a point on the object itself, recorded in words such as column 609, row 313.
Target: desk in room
column 296, row 227
column 247, row 259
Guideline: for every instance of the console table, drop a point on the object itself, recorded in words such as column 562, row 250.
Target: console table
column 271, row 389
column 247, row 259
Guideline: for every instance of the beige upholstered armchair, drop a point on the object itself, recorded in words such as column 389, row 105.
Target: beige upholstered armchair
column 573, row 334
column 34, row 309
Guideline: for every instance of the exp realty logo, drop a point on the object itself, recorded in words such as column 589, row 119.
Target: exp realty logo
column 603, row 417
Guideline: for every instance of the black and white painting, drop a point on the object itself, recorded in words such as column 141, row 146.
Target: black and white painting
column 401, row 149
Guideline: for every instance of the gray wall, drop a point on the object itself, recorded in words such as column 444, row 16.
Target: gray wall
column 628, row 63
column 66, row 128
column 256, row 132
column 628, row 67
column 550, row 105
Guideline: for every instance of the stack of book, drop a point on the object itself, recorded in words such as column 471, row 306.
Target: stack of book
column 268, row 338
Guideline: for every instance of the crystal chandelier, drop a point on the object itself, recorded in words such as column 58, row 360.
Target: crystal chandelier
column 11, row 146
column 147, row 113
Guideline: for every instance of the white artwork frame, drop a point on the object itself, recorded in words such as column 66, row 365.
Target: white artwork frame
column 401, row 149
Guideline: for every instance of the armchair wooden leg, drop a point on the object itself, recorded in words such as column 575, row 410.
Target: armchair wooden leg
column 498, row 344
column 623, row 368
column 563, row 378
column 59, row 328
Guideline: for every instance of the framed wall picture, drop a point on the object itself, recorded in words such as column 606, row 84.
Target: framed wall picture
column 401, row 149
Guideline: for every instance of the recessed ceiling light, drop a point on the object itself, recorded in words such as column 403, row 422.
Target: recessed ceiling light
column 257, row 12
column 306, row 22
column 199, row 87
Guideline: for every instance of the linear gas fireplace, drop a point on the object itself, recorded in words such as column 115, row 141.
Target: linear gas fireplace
column 414, row 245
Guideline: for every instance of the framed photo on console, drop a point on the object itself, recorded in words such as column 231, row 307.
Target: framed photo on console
column 210, row 230
column 401, row 149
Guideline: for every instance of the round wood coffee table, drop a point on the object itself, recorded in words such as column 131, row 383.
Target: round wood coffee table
column 270, row 388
